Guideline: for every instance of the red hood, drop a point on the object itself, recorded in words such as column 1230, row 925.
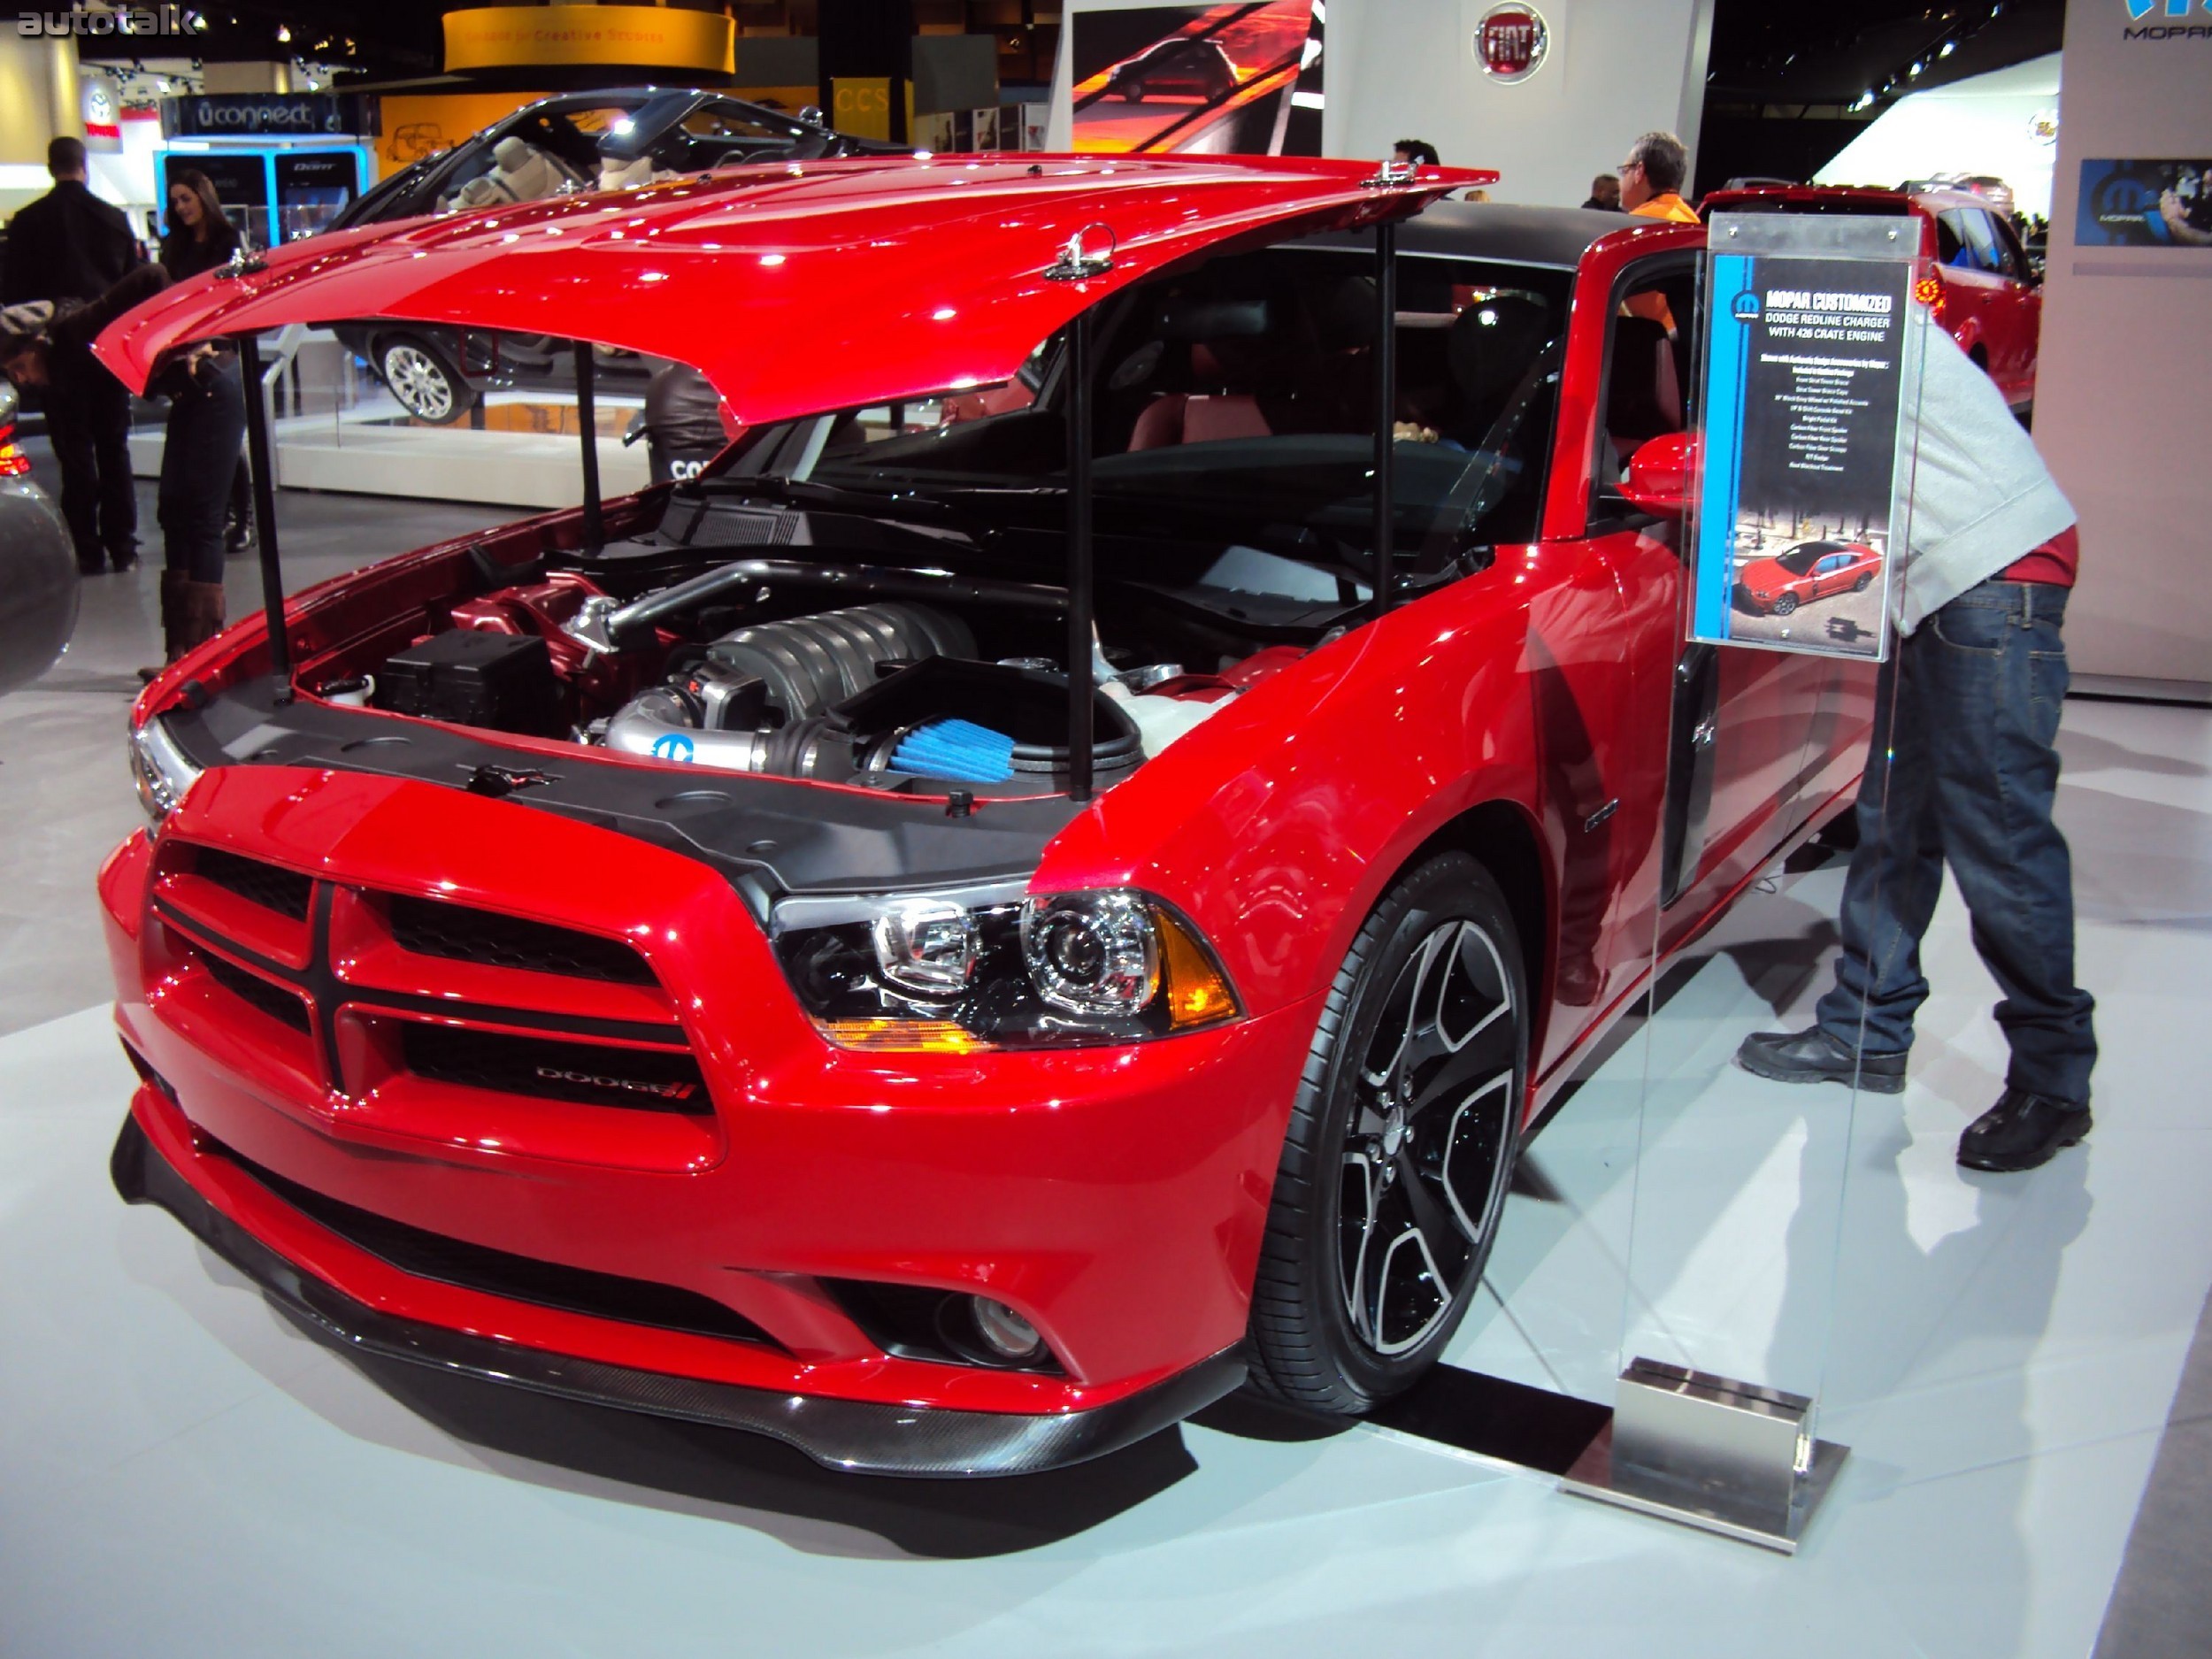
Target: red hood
column 795, row 287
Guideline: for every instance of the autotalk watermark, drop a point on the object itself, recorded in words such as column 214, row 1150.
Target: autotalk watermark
column 135, row 21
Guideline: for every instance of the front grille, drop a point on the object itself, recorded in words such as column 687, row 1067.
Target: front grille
column 430, row 928
column 273, row 999
column 267, row 885
column 641, row 1079
column 502, row 1274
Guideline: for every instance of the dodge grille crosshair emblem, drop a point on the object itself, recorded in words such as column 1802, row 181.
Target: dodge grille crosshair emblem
column 1510, row 42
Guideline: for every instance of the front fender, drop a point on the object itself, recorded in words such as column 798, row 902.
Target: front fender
column 1277, row 824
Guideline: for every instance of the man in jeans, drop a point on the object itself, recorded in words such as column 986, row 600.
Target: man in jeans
column 1962, row 771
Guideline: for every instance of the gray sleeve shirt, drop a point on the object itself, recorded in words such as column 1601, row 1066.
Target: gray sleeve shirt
column 1981, row 496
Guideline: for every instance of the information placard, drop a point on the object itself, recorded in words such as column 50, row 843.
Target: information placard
column 1811, row 369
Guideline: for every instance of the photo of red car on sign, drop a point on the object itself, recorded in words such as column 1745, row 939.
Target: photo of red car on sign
column 1809, row 570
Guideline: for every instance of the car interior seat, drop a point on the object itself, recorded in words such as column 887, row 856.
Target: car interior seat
column 1643, row 392
column 1489, row 350
column 521, row 173
column 1231, row 353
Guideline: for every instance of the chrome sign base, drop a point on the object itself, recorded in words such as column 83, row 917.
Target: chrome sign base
column 1709, row 1452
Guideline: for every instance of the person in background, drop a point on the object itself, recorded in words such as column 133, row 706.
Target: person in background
column 1651, row 178
column 1962, row 771
column 1416, row 152
column 207, row 422
column 1605, row 193
column 200, row 238
column 69, row 245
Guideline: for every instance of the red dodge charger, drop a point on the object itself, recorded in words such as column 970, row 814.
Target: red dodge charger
column 1809, row 570
column 978, row 925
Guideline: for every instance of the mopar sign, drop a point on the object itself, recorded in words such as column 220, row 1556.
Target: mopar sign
column 2172, row 22
column 1510, row 42
column 251, row 114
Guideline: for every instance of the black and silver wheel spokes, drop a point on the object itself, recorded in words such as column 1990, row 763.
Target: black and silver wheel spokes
column 1423, row 1163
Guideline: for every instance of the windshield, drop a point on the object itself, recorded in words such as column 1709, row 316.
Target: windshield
column 1242, row 396
column 1799, row 560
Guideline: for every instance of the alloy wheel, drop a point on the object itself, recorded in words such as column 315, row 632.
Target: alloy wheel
column 1425, row 1150
column 420, row 381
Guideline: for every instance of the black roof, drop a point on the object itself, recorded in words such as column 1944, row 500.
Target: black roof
column 1554, row 236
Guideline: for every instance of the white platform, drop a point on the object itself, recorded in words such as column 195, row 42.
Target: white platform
column 357, row 452
column 182, row 1474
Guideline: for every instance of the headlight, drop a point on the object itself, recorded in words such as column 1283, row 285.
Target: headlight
column 163, row 771
column 956, row 972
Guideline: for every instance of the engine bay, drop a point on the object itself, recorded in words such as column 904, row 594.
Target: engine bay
column 743, row 637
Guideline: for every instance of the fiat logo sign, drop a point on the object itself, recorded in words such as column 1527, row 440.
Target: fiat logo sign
column 1510, row 42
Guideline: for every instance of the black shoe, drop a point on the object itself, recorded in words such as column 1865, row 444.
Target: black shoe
column 1812, row 1055
column 93, row 566
column 237, row 535
column 2021, row 1131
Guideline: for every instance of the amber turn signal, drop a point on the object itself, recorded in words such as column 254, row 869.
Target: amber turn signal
column 1196, row 994
column 903, row 1036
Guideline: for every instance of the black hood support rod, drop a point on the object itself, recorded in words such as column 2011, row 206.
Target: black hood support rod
column 258, row 454
column 588, row 417
column 1386, row 411
column 1080, row 606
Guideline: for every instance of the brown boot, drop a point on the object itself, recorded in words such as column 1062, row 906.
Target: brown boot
column 172, row 587
column 202, row 618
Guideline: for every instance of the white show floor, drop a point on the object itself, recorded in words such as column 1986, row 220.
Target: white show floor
column 182, row 1474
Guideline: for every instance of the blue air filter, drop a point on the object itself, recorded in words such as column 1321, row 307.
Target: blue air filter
column 958, row 749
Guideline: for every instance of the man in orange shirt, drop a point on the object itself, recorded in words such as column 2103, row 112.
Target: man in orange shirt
column 1651, row 178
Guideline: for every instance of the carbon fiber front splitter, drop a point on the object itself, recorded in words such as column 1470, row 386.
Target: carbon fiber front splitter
column 858, row 1437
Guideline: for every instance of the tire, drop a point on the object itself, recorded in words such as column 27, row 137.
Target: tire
column 1785, row 604
column 424, row 378
column 1865, row 582
column 1336, row 1328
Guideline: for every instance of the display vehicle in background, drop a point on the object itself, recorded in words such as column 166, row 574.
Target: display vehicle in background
column 1180, row 68
column 1985, row 289
column 612, row 139
column 968, row 930
column 1809, row 570
column 38, row 567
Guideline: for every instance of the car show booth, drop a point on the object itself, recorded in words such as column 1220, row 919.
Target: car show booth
column 1047, row 947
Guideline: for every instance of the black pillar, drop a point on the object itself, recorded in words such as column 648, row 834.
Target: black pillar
column 1385, row 410
column 588, row 417
column 264, row 514
column 1079, row 625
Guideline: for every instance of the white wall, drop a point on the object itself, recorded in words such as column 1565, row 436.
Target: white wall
column 2123, row 401
column 1405, row 69
column 1983, row 124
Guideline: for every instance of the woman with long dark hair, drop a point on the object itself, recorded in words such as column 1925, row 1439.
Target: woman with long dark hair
column 200, row 235
column 200, row 238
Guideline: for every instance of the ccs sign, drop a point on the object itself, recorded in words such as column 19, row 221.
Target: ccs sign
column 1511, row 42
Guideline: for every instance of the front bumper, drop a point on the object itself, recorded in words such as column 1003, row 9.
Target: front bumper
column 858, row 1437
column 1116, row 1198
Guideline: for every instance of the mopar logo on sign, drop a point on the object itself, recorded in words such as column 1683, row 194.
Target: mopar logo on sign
column 1746, row 306
column 2174, row 26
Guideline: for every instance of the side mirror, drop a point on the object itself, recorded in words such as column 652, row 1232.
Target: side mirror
column 1661, row 475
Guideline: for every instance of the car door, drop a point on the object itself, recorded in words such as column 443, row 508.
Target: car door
column 2015, row 314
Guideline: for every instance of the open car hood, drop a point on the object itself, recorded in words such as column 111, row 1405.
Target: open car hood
column 797, row 286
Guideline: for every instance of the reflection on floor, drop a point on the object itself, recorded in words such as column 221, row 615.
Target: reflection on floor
column 185, row 1474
